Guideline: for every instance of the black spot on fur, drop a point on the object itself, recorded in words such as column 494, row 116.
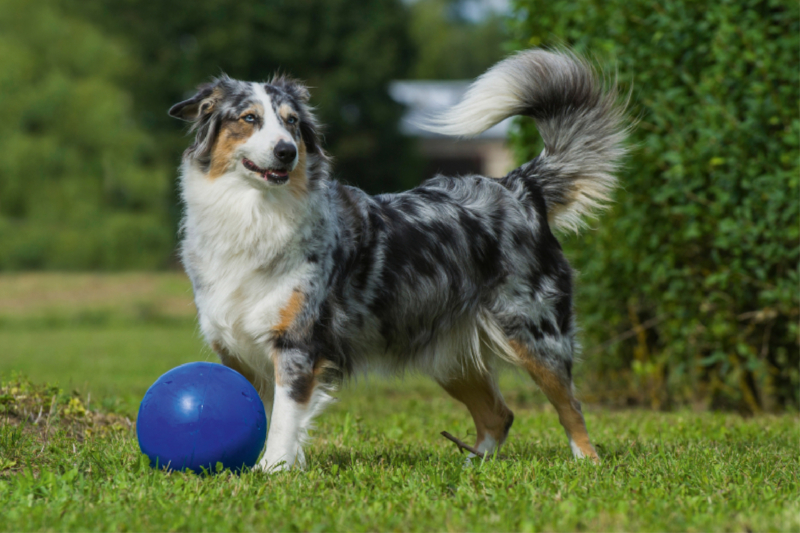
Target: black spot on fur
column 407, row 205
column 547, row 327
column 240, row 101
column 301, row 388
column 431, row 195
column 325, row 343
column 284, row 342
column 563, row 305
column 444, row 233
column 364, row 258
column 535, row 331
column 338, row 254
column 522, row 237
column 484, row 247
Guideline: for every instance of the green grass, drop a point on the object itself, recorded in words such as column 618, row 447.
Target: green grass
column 112, row 363
column 376, row 460
column 108, row 335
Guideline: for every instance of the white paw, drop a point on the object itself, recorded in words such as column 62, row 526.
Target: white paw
column 577, row 453
column 487, row 447
column 272, row 467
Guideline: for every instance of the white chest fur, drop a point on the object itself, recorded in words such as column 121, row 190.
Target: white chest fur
column 241, row 248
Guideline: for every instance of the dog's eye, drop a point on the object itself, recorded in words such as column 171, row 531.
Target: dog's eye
column 251, row 118
column 291, row 120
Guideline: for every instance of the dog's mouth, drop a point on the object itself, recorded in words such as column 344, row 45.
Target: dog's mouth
column 277, row 176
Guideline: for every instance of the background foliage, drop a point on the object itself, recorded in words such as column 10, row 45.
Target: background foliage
column 688, row 290
column 692, row 280
column 450, row 43
column 88, row 155
column 87, row 151
column 346, row 50
column 79, row 186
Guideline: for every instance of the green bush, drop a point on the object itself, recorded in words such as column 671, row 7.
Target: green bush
column 74, row 165
column 688, row 287
column 347, row 51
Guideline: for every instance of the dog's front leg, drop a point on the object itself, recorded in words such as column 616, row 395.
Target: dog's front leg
column 291, row 411
column 283, row 440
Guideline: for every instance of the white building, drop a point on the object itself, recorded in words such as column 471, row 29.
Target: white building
column 486, row 154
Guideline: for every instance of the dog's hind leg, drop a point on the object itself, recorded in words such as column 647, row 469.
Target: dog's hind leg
column 555, row 380
column 478, row 391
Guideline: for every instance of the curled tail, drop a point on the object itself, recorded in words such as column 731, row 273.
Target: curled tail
column 579, row 118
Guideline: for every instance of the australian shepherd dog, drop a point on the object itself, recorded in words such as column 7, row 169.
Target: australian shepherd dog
column 301, row 281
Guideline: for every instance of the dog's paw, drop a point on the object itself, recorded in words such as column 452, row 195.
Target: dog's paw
column 472, row 460
column 272, row 468
column 588, row 453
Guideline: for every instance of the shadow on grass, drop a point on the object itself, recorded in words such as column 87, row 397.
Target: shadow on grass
column 385, row 456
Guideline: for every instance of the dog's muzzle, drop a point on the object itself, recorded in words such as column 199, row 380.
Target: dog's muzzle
column 277, row 176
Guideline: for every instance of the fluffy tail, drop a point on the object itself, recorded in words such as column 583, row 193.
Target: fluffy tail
column 579, row 118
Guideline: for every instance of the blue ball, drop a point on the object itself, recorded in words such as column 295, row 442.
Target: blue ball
column 201, row 414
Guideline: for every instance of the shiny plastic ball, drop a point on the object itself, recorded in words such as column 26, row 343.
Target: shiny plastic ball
column 200, row 415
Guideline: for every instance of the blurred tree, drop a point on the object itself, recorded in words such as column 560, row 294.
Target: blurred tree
column 692, row 279
column 90, row 109
column 450, row 43
column 346, row 50
column 78, row 183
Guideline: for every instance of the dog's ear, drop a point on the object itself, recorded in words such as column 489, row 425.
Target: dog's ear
column 300, row 92
column 199, row 105
column 293, row 87
column 202, row 111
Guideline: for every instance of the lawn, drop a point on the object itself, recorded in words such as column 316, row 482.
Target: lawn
column 376, row 460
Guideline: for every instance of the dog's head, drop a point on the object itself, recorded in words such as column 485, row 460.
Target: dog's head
column 264, row 132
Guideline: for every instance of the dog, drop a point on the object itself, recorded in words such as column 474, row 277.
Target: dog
column 301, row 281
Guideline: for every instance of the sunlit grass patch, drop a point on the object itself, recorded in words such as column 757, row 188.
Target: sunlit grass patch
column 376, row 462
column 44, row 300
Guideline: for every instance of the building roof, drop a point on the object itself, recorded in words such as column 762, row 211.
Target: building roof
column 426, row 99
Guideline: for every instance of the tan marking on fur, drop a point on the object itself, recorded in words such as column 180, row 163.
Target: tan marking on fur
column 557, row 210
column 298, row 178
column 232, row 133
column 286, row 317
column 285, row 110
column 233, row 362
column 586, row 195
column 289, row 313
column 278, row 375
column 561, row 396
column 485, row 403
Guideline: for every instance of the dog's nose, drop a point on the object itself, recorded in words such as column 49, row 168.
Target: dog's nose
column 285, row 152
